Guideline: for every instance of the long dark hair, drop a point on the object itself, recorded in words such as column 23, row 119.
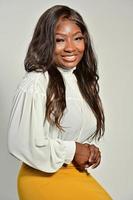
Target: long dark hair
column 40, row 58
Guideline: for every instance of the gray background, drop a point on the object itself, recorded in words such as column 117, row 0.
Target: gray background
column 110, row 23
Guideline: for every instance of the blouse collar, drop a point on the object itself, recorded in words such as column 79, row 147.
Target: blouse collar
column 66, row 71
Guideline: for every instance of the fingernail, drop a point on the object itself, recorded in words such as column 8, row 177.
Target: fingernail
column 86, row 166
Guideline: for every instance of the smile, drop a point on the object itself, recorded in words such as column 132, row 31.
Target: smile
column 70, row 58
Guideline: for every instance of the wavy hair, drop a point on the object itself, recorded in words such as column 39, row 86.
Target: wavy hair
column 40, row 58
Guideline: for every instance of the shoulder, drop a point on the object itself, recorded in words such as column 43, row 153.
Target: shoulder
column 34, row 82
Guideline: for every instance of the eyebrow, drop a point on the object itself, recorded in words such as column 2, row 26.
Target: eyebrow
column 58, row 33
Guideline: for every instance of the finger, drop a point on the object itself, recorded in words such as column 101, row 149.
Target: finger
column 86, row 144
column 97, row 163
column 87, row 165
column 98, row 155
column 93, row 153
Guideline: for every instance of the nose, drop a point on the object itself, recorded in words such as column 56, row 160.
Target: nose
column 69, row 46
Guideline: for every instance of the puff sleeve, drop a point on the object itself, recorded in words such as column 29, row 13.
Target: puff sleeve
column 29, row 137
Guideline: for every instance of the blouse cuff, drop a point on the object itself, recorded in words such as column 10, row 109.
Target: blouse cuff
column 70, row 148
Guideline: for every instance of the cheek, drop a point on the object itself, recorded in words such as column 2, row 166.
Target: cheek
column 83, row 47
column 81, row 50
column 57, row 53
column 59, row 48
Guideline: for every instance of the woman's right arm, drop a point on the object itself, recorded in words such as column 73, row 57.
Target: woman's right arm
column 29, row 135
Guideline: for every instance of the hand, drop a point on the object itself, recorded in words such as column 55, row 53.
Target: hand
column 86, row 155
column 82, row 155
column 95, row 156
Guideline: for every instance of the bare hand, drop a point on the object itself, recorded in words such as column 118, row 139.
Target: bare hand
column 95, row 156
column 86, row 155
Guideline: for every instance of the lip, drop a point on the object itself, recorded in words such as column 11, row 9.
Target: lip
column 69, row 58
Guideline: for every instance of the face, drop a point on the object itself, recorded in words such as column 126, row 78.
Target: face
column 70, row 44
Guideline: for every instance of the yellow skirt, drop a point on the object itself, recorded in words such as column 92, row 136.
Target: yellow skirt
column 66, row 184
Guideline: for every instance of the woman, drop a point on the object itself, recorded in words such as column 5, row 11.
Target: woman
column 57, row 112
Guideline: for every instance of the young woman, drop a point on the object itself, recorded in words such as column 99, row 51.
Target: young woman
column 57, row 112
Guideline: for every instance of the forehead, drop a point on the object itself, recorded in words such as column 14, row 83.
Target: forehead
column 66, row 25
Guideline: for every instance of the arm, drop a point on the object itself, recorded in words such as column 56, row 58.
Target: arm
column 29, row 136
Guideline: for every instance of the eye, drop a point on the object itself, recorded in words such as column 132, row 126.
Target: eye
column 59, row 40
column 79, row 38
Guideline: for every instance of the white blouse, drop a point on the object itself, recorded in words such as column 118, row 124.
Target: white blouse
column 33, row 140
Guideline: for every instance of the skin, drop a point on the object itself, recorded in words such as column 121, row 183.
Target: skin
column 86, row 155
column 69, row 50
column 70, row 45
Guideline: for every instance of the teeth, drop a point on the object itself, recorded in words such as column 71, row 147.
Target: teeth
column 69, row 58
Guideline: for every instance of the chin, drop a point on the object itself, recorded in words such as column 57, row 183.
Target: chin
column 69, row 65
